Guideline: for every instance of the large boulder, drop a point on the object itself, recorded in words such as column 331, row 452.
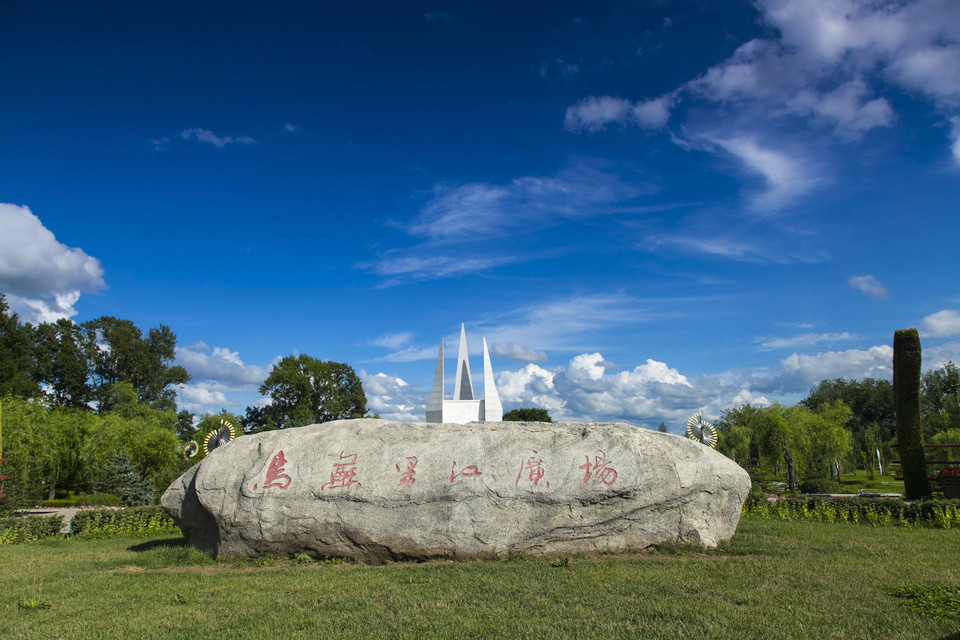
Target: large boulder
column 376, row 490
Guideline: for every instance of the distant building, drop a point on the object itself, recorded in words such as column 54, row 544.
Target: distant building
column 464, row 408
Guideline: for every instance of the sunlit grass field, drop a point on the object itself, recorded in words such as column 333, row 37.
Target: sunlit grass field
column 775, row 579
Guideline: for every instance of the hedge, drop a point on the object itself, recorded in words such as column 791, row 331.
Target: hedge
column 935, row 513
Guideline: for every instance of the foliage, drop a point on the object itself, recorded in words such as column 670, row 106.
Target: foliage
column 820, row 485
column 120, row 477
column 933, row 513
column 527, row 415
column 305, row 390
column 131, row 522
column 662, row 428
column 872, row 422
column 43, row 447
column 940, row 400
column 119, row 353
column 16, row 354
column 62, row 367
column 906, row 393
column 17, row 530
column 801, row 442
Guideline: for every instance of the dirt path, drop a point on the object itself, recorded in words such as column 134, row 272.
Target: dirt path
column 66, row 513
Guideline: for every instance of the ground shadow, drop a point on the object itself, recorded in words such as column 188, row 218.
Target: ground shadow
column 170, row 543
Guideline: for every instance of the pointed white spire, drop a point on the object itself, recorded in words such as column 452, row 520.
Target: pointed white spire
column 491, row 409
column 435, row 403
column 463, row 387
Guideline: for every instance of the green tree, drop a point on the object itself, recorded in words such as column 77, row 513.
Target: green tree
column 16, row 355
column 940, row 399
column 43, row 445
column 662, row 428
column 119, row 352
column 62, row 367
column 305, row 390
column 872, row 421
column 527, row 415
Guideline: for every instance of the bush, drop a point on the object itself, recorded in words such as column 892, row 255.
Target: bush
column 820, row 485
column 935, row 513
column 96, row 500
column 134, row 522
column 57, row 504
column 27, row 529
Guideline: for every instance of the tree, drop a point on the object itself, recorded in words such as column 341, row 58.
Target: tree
column 940, row 399
column 872, row 421
column 527, row 415
column 906, row 394
column 119, row 352
column 16, row 355
column 305, row 390
column 62, row 367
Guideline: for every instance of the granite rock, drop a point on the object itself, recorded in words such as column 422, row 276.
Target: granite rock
column 376, row 490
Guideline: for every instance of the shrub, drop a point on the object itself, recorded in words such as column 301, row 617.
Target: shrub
column 134, row 522
column 57, row 504
column 96, row 500
column 935, row 513
column 820, row 485
column 27, row 529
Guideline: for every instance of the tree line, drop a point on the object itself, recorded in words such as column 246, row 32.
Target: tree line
column 841, row 425
column 91, row 407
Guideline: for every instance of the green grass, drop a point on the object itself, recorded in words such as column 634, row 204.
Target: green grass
column 853, row 482
column 776, row 579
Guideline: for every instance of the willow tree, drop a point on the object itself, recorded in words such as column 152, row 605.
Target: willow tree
column 906, row 399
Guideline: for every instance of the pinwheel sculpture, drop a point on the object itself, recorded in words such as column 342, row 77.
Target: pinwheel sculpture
column 219, row 437
column 702, row 431
column 190, row 449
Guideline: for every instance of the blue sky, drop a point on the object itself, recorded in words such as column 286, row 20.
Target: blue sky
column 648, row 209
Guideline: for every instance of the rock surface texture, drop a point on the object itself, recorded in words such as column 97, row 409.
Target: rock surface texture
column 375, row 490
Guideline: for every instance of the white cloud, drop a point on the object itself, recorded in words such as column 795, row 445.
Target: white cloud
column 804, row 340
column 205, row 135
column 41, row 277
column 393, row 398
column 942, row 323
column 823, row 60
column 219, row 364
column 517, row 353
column 201, row 397
column 801, row 372
column 393, row 340
column 868, row 286
column 787, row 176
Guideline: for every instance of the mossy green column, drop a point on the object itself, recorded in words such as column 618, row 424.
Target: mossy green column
column 906, row 402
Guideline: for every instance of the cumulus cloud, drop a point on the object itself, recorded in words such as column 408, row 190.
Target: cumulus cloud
column 868, row 286
column 596, row 113
column 800, row 372
column 205, row 135
column 393, row 398
column 219, row 379
column 41, row 277
column 942, row 323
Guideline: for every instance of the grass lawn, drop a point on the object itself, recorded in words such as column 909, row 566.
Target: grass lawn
column 853, row 482
column 776, row 579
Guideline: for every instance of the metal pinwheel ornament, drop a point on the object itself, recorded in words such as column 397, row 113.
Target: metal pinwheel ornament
column 702, row 431
column 191, row 449
column 219, row 437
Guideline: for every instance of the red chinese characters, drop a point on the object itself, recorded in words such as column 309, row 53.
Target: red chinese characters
column 275, row 473
column 407, row 479
column 468, row 472
column 535, row 471
column 600, row 470
column 343, row 474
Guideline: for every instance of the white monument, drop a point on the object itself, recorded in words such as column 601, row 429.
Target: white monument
column 464, row 408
